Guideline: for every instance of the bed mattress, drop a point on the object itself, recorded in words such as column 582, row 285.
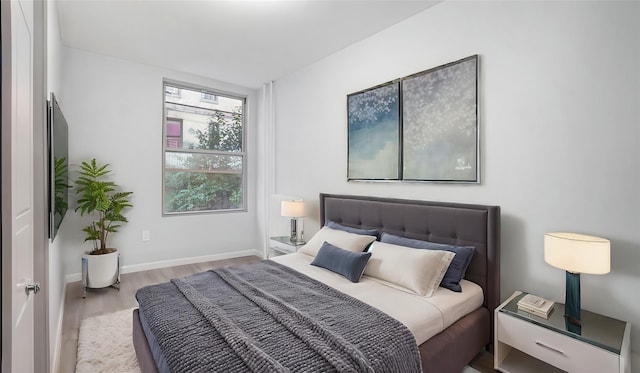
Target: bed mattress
column 423, row 316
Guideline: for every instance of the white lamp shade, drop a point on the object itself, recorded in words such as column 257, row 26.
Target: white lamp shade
column 292, row 209
column 577, row 253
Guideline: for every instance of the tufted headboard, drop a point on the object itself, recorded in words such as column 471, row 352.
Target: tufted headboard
column 442, row 222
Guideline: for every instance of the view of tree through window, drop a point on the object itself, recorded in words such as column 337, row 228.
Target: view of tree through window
column 203, row 151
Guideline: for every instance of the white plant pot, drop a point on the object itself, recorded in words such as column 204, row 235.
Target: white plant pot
column 100, row 271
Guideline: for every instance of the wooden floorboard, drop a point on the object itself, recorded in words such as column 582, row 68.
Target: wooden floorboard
column 103, row 301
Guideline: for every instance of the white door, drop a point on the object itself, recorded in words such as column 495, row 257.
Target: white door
column 18, row 174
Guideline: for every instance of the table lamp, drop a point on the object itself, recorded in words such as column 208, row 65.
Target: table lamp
column 576, row 253
column 294, row 210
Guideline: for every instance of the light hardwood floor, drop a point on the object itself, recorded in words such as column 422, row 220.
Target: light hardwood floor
column 103, row 301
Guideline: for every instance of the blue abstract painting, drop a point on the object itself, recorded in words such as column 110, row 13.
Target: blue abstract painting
column 374, row 133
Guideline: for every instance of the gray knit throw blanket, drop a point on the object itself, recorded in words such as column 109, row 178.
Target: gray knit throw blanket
column 266, row 317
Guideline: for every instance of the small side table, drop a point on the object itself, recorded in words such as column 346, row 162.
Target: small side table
column 282, row 245
column 528, row 343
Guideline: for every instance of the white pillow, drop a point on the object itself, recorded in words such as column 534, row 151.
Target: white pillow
column 417, row 270
column 344, row 240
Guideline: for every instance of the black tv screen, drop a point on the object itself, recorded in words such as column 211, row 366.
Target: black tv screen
column 58, row 166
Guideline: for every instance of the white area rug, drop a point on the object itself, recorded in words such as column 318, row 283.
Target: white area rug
column 105, row 344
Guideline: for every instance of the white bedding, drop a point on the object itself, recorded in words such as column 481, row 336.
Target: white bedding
column 424, row 317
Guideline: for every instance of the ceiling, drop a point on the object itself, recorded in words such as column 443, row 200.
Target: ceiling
column 246, row 43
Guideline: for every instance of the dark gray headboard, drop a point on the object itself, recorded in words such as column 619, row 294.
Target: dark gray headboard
column 443, row 222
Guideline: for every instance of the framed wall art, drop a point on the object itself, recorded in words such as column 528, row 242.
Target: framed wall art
column 374, row 133
column 423, row 127
column 440, row 123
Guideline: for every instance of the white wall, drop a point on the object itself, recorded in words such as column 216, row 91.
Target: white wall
column 559, row 121
column 114, row 112
column 56, row 284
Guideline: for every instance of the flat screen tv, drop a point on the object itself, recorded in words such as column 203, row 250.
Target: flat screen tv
column 58, row 166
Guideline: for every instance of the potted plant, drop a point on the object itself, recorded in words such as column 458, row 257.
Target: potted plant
column 100, row 199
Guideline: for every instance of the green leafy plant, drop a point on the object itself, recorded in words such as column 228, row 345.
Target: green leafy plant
column 99, row 197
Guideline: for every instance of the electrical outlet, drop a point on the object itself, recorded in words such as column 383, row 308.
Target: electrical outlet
column 146, row 235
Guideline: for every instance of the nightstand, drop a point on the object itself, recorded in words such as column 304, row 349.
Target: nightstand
column 528, row 343
column 282, row 245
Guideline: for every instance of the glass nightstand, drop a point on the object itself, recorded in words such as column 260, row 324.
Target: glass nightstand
column 282, row 245
column 528, row 343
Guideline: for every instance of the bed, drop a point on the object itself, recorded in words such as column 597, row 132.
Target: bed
column 448, row 350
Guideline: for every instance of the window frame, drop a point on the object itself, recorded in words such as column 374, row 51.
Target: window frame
column 243, row 154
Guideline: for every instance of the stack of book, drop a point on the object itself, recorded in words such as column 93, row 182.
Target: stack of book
column 536, row 305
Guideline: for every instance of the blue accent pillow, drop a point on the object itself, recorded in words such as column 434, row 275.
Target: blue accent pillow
column 458, row 267
column 346, row 263
column 366, row 232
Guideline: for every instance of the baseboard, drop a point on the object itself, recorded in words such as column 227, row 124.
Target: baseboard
column 55, row 365
column 73, row 277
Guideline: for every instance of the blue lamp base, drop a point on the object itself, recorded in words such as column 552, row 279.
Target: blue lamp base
column 572, row 298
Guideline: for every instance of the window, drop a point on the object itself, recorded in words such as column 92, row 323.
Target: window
column 172, row 91
column 204, row 155
column 209, row 97
column 174, row 132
